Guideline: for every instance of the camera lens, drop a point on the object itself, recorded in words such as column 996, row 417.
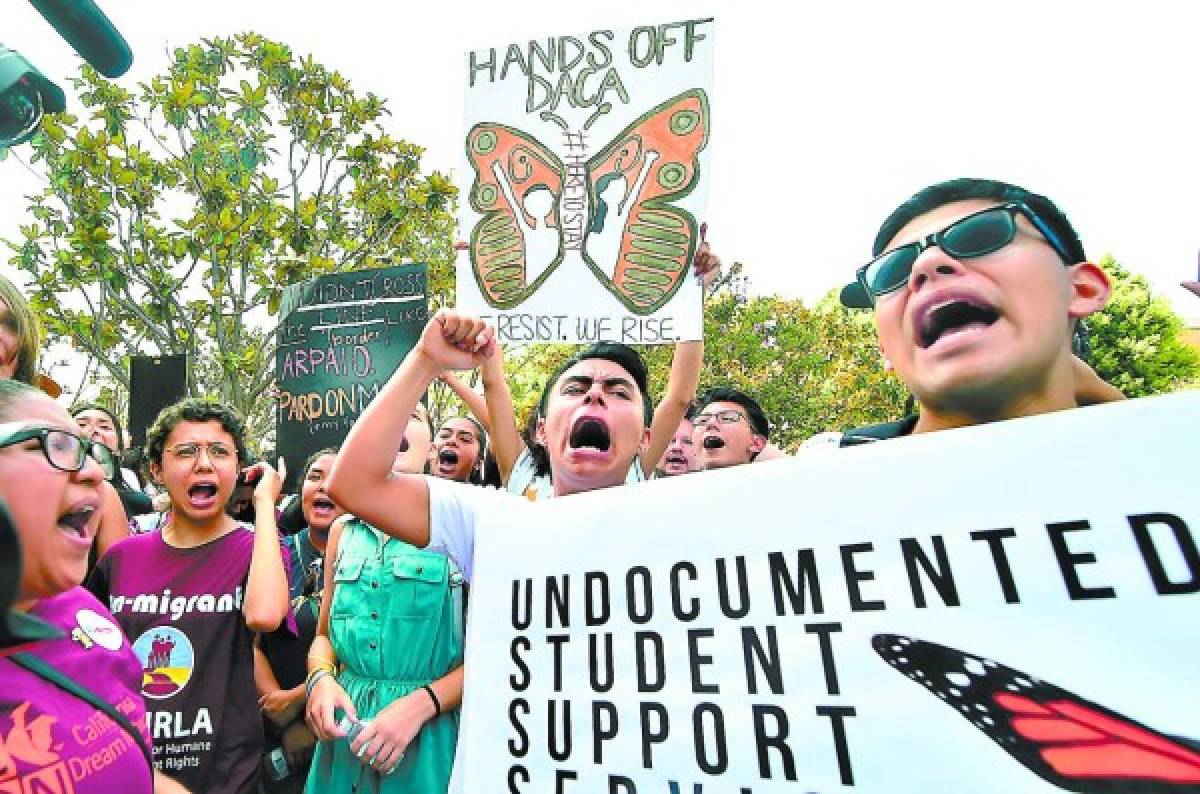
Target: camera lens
column 25, row 94
column 20, row 113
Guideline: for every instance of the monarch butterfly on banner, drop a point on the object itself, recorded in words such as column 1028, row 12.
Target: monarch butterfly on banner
column 1065, row 739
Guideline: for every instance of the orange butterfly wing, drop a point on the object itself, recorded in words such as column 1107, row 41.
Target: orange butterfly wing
column 509, row 165
column 657, row 156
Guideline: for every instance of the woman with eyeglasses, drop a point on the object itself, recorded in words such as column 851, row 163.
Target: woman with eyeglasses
column 388, row 652
column 280, row 658
column 192, row 596
column 56, row 693
column 19, row 342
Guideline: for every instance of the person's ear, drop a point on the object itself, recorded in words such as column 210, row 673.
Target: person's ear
column 644, row 444
column 887, row 362
column 156, row 473
column 757, row 443
column 539, row 431
column 1090, row 289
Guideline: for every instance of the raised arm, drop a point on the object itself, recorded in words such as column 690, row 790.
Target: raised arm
column 471, row 398
column 266, row 602
column 362, row 480
column 681, row 390
column 506, row 440
column 685, row 372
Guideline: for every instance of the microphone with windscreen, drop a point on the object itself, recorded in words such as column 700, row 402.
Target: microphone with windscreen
column 89, row 32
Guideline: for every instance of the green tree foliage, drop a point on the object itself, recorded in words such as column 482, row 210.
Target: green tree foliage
column 812, row 370
column 817, row 369
column 173, row 218
column 1138, row 341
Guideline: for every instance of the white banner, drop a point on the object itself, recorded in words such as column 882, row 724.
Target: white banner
column 583, row 184
column 1005, row 608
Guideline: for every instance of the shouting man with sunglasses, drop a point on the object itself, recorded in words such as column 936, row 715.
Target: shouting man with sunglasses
column 977, row 286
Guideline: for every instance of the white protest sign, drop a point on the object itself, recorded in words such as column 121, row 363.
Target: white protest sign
column 1005, row 608
column 583, row 184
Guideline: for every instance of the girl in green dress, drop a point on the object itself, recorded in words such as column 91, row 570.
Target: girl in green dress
column 391, row 627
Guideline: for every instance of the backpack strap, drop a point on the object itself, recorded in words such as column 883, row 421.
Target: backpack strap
column 880, row 432
column 43, row 670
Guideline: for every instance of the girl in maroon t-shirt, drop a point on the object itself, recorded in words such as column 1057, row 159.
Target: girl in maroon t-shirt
column 191, row 596
column 50, row 738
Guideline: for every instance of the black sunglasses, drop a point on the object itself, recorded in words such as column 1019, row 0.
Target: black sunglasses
column 976, row 235
column 64, row 450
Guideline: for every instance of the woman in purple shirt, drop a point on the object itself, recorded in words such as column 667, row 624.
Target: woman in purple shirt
column 51, row 737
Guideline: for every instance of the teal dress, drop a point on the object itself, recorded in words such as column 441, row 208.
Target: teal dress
column 396, row 625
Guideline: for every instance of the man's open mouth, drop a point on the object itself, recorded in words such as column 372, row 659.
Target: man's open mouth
column 713, row 442
column 953, row 316
column 448, row 457
column 321, row 503
column 590, row 432
column 680, row 459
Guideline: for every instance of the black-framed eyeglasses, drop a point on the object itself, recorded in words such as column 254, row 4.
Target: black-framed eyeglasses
column 975, row 235
column 729, row 416
column 63, row 449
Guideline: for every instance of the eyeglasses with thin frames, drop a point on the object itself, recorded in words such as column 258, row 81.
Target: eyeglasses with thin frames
column 218, row 451
column 729, row 416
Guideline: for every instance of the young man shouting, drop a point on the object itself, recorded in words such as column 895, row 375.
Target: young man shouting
column 729, row 428
column 977, row 287
column 593, row 427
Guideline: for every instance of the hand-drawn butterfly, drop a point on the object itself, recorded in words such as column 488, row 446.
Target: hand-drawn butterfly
column 1071, row 742
column 636, row 242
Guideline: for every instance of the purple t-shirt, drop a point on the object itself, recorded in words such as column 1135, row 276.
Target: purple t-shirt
column 182, row 610
column 51, row 740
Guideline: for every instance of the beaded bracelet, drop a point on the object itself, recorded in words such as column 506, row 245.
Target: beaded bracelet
column 312, row 679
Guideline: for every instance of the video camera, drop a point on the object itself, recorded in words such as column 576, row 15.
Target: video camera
column 26, row 94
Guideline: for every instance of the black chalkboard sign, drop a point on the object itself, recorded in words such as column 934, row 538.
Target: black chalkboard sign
column 340, row 339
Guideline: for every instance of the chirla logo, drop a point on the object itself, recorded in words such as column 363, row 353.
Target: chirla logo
column 167, row 661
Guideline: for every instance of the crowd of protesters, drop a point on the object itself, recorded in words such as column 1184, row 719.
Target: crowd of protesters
column 252, row 644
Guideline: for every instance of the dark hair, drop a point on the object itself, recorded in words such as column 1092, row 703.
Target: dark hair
column 476, row 476
column 78, row 409
column 480, row 431
column 964, row 189
column 25, row 326
column 754, row 413
column 194, row 409
column 308, row 464
column 13, row 390
column 623, row 356
column 537, row 453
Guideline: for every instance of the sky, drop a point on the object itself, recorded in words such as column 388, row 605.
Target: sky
column 825, row 115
